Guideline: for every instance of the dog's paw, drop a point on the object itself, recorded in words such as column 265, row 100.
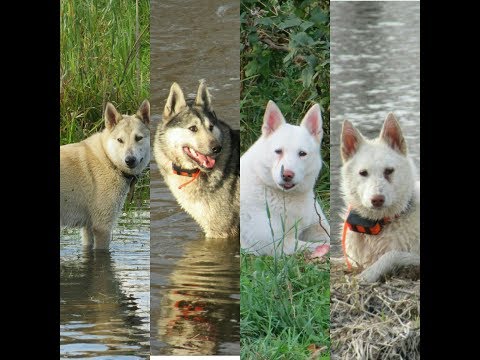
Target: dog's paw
column 369, row 276
column 320, row 251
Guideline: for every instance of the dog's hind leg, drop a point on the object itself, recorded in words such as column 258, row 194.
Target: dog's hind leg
column 102, row 238
column 87, row 236
column 387, row 263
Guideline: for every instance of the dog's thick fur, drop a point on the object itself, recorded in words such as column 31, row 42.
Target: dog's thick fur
column 191, row 137
column 96, row 173
column 381, row 168
column 279, row 171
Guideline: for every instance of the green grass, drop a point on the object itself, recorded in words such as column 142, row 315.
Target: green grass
column 99, row 62
column 285, row 57
column 284, row 306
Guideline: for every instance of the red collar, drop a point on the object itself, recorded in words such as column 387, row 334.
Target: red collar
column 194, row 174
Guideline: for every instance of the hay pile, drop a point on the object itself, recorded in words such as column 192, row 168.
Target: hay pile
column 374, row 321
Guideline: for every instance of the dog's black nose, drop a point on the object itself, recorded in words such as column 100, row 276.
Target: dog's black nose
column 130, row 161
column 216, row 149
column 378, row 200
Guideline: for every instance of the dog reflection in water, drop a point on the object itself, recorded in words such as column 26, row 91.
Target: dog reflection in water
column 201, row 310
column 96, row 314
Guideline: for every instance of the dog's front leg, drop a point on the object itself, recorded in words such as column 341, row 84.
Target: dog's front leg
column 387, row 263
column 87, row 236
column 102, row 237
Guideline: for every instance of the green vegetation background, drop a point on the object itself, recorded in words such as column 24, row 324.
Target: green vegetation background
column 285, row 57
column 99, row 62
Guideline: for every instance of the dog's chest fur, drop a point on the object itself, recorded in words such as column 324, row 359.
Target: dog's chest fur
column 212, row 200
column 292, row 207
column 402, row 234
column 90, row 188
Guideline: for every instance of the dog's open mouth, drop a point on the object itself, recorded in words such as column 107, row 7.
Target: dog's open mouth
column 204, row 161
column 288, row 185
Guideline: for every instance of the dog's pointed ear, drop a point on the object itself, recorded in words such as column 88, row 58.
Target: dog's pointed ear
column 312, row 121
column 391, row 133
column 112, row 116
column 272, row 119
column 144, row 112
column 203, row 98
column 351, row 140
column 175, row 101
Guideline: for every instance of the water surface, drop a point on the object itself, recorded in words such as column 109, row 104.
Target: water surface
column 104, row 296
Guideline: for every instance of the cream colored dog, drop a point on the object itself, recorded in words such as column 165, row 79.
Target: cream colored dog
column 97, row 173
column 378, row 185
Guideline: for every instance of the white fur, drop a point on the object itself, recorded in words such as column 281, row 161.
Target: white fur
column 291, row 211
column 398, row 244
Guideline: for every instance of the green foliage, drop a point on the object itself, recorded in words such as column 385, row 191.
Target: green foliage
column 285, row 57
column 99, row 63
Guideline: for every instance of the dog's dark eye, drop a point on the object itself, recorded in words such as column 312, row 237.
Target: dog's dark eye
column 210, row 128
column 363, row 172
column 302, row 153
column 278, row 151
column 388, row 171
column 193, row 128
column 120, row 141
column 138, row 138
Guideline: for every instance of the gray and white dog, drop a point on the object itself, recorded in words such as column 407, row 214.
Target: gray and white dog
column 199, row 158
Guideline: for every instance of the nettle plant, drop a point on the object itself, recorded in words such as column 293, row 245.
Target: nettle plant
column 288, row 39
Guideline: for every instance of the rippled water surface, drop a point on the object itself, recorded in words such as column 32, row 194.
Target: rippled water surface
column 104, row 296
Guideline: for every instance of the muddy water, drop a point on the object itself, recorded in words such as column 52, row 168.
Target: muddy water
column 104, row 296
column 375, row 69
column 195, row 291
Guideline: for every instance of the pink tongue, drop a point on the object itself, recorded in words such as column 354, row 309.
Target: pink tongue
column 206, row 161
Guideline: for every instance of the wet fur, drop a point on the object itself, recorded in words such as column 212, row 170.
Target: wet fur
column 213, row 199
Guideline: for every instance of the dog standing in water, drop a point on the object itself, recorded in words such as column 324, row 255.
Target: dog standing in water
column 97, row 173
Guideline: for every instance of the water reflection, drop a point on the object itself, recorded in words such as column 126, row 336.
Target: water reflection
column 200, row 300
column 104, row 303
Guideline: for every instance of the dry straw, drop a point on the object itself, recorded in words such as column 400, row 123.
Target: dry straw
column 374, row 321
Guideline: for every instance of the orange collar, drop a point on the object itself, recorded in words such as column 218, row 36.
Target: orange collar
column 356, row 223
column 194, row 174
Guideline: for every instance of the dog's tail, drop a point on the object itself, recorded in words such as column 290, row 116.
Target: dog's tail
column 389, row 262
